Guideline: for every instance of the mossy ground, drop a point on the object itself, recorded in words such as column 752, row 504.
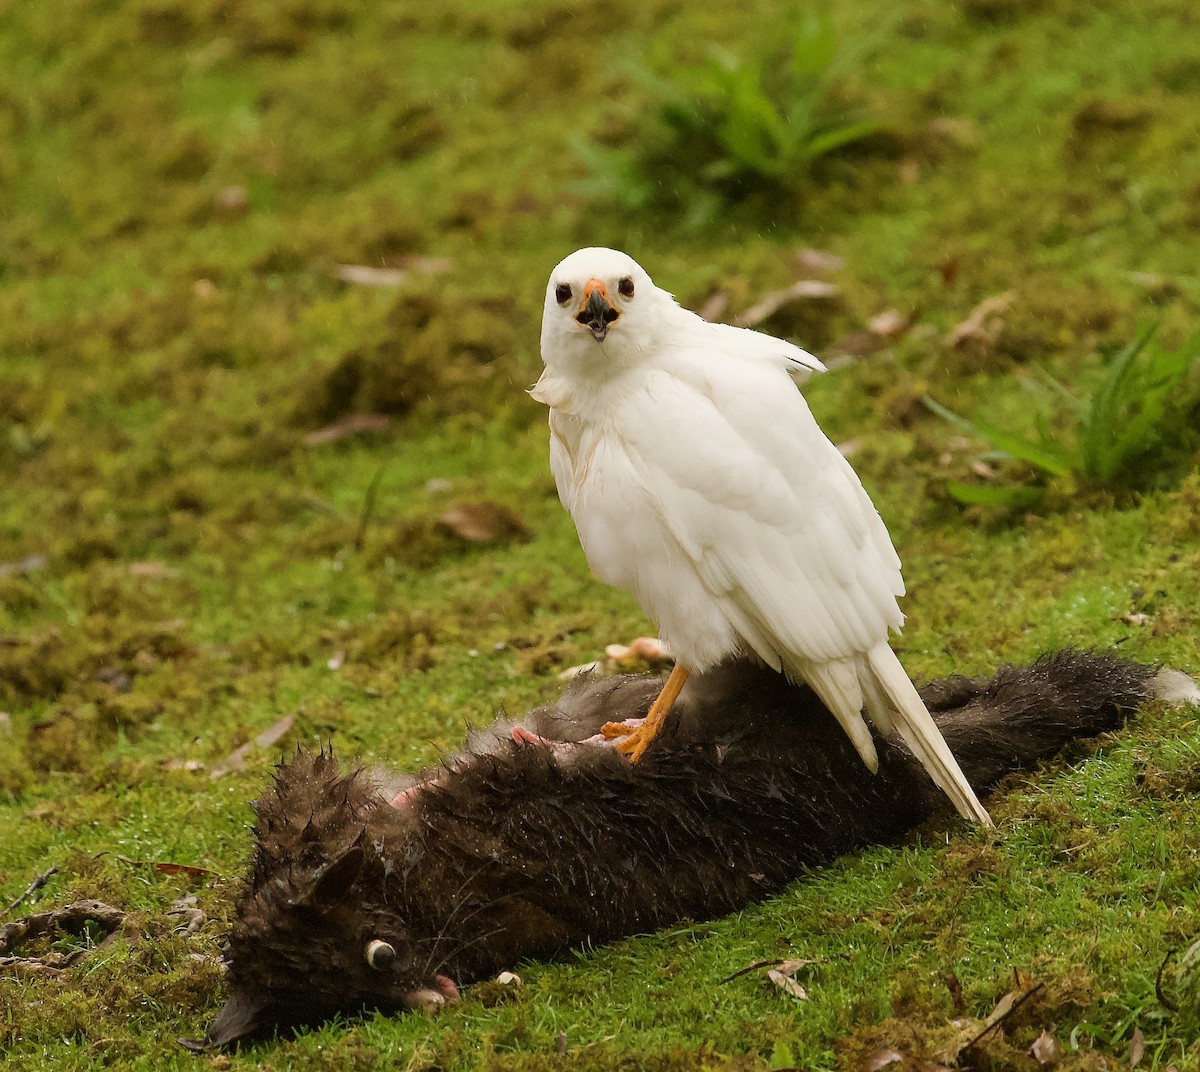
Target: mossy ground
column 181, row 180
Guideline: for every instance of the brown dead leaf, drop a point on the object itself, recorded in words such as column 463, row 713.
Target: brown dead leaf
column 881, row 1059
column 1134, row 618
column 484, row 522
column 818, row 260
column 28, row 564
column 641, row 649
column 714, row 307
column 960, row 132
column 366, row 275
column 1023, row 989
column 1045, row 1049
column 151, row 569
column 168, row 868
column 236, row 760
column 232, row 199
column 890, row 323
column 347, row 426
column 770, row 304
column 956, row 991
column 393, row 275
column 983, row 324
column 787, row 984
column 1137, row 1047
column 182, row 764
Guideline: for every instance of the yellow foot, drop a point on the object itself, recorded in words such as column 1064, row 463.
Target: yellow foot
column 612, row 731
column 635, row 742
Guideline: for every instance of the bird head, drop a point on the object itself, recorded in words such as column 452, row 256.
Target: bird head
column 601, row 307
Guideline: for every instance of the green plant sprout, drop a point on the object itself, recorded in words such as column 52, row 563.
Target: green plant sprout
column 740, row 125
column 1137, row 424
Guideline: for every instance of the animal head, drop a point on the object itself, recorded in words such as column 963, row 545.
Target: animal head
column 316, row 933
column 601, row 310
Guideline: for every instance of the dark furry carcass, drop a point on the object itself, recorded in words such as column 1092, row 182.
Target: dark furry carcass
column 536, row 839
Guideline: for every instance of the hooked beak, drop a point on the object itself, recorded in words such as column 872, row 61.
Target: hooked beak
column 596, row 313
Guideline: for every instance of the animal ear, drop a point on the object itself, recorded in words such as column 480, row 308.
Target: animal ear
column 332, row 883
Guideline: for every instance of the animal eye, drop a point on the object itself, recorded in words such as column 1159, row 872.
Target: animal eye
column 380, row 955
column 626, row 287
column 562, row 293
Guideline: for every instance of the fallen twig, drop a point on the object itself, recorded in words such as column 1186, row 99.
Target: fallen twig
column 995, row 1021
column 33, row 887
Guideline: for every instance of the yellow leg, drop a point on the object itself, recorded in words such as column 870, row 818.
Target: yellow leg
column 635, row 743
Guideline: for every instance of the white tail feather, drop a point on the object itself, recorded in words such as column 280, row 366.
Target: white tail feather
column 877, row 682
column 836, row 682
column 892, row 701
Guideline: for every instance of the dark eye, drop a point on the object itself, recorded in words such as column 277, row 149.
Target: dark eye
column 626, row 287
column 562, row 293
column 380, row 955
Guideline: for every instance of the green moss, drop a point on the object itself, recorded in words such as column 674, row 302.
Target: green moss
column 182, row 181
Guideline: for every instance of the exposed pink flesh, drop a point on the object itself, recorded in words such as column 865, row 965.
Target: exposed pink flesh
column 523, row 736
column 432, row 998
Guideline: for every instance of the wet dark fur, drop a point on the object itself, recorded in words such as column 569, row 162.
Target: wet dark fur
column 519, row 852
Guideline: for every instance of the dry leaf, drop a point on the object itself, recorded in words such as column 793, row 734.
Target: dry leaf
column 881, row 1059
column 182, row 764
column 890, row 323
column 787, row 983
column 507, row 978
column 151, row 569
column 818, row 260
column 1023, row 989
column 347, row 426
column 714, row 308
column 483, row 522
column 1134, row 618
column 236, row 760
column 649, row 649
column 956, row 991
column 909, row 170
column 984, row 323
column 958, row 131
column 191, row 870
column 364, row 275
column 415, row 262
column 232, row 199
column 1045, row 1049
column 770, row 304
column 23, row 565
column 1137, row 1047
column 572, row 672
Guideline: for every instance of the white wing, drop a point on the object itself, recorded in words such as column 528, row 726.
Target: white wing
column 771, row 516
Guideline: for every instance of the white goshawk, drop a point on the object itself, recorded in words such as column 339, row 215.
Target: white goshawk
column 699, row 480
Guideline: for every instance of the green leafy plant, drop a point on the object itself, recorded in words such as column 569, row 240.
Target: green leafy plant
column 1137, row 423
column 736, row 125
